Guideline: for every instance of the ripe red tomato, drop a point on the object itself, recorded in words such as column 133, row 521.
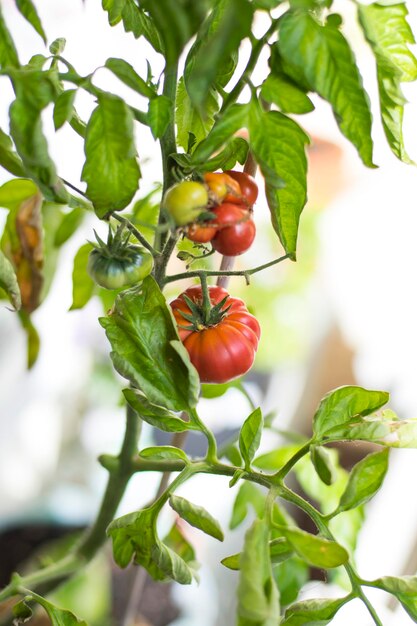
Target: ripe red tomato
column 201, row 232
column 248, row 186
column 224, row 350
column 236, row 229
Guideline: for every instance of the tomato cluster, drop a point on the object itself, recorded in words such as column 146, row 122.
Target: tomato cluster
column 228, row 197
column 223, row 345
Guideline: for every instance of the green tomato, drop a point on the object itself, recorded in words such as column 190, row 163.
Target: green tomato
column 119, row 271
column 185, row 201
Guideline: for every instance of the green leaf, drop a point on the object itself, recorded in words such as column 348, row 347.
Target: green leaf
column 365, row 480
column 8, row 157
column 8, row 281
column 250, row 436
column 111, row 170
column 171, row 564
column 282, row 91
column 68, row 226
column 58, row 617
column 35, row 91
column 315, row 550
column 275, row 459
column 176, row 21
column 28, row 10
column 145, row 214
column 248, row 494
column 125, row 72
column 134, row 535
column 197, row 516
column 58, row 46
column 164, row 452
column 278, row 144
column 323, row 58
column 156, row 416
column 176, row 541
column 189, row 119
column 290, row 576
column 64, row 108
column 233, row 119
column 258, row 598
column 159, row 115
column 313, row 612
column 322, row 461
column 231, row 24
column 393, row 433
column 341, row 405
column 21, row 613
column 388, row 33
column 146, row 349
column 82, row 285
column 404, row 588
column 279, row 551
column 8, row 52
column 236, row 150
column 136, row 21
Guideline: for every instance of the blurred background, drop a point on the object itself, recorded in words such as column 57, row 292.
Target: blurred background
column 345, row 313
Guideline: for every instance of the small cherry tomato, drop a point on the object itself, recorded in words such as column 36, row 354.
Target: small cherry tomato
column 123, row 270
column 236, row 229
column 223, row 187
column 201, row 232
column 185, row 201
column 224, row 348
column 248, row 186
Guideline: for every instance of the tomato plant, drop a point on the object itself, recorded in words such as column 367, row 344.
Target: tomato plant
column 216, row 116
column 222, row 344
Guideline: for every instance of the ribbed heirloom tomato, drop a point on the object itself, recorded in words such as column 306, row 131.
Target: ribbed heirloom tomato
column 222, row 347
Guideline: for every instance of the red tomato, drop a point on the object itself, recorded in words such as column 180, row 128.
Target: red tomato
column 236, row 229
column 201, row 232
column 248, row 186
column 224, row 350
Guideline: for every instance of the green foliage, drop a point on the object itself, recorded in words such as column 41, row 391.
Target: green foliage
column 365, row 480
column 128, row 75
column 258, row 598
column 154, row 415
column 189, row 120
column 59, row 617
column 322, row 461
column 146, row 349
column 64, row 108
column 312, row 612
column 160, row 114
column 286, row 94
column 315, row 550
column 8, row 52
column 250, row 436
column 111, row 170
column 8, row 157
column 197, row 516
column 82, row 285
column 321, row 57
column 164, row 452
column 404, row 588
column 8, row 281
column 343, row 405
column 278, row 144
column 28, row 10
column 387, row 31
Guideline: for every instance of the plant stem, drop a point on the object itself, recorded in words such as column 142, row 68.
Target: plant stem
column 135, row 232
column 244, row 273
column 206, row 297
column 118, row 479
column 280, row 475
column 211, row 456
column 253, row 59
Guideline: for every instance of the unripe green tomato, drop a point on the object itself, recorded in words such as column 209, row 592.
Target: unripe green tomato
column 115, row 273
column 185, row 201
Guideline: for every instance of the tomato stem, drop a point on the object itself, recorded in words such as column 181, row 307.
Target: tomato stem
column 206, row 298
column 135, row 232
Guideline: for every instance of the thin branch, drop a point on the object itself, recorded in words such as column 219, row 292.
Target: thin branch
column 135, row 232
column 244, row 273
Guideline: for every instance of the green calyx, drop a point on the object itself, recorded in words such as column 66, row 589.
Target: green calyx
column 201, row 317
column 117, row 246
